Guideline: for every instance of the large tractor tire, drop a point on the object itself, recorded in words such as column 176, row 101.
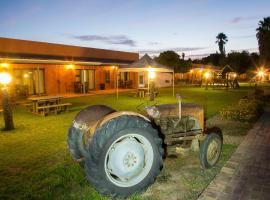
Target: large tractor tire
column 210, row 150
column 75, row 144
column 124, row 156
column 79, row 133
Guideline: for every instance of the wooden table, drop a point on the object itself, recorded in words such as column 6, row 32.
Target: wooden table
column 142, row 92
column 44, row 105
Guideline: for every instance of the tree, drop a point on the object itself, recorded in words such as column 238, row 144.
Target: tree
column 7, row 111
column 239, row 61
column 263, row 37
column 255, row 59
column 168, row 58
column 172, row 59
column 183, row 56
column 221, row 40
column 215, row 59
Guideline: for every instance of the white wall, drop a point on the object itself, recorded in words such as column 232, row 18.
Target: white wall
column 161, row 79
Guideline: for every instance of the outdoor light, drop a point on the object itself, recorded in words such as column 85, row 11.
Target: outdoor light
column 70, row 66
column 5, row 78
column 261, row 73
column 207, row 75
column 191, row 71
column 4, row 65
column 151, row 73
column 234, row 75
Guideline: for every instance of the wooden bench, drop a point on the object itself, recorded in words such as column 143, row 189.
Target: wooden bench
column 147, row 94
column 28, row 106
column 56, row 108
column 134, row 94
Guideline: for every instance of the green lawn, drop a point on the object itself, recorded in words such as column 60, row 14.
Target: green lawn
column 35, row 162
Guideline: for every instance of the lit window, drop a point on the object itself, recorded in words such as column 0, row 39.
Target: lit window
column 107, row 76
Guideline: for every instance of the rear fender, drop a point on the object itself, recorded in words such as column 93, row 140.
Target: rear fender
column 118, row 114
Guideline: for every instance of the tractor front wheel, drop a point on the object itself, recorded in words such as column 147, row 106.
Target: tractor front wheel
column 210, row 150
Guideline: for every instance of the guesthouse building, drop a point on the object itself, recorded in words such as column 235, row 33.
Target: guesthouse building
column 40, row 68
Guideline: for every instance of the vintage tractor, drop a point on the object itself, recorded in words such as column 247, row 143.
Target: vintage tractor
column 122, row 152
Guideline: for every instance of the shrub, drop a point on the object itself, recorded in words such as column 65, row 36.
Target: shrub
column 248, row 108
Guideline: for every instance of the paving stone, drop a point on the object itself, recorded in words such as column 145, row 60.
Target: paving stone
column 246, row 175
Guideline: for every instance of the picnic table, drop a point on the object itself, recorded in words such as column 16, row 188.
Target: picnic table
column 47, row 104
column 142, row 92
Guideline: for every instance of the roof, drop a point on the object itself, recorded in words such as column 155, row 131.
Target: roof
column 21, row 50
column 145, row 63
column 227, row 68
column 204, row 66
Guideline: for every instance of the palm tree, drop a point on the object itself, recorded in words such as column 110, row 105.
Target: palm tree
column 221, row 40
column 263, row 36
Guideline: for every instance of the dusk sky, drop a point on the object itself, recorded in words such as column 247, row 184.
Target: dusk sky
column 151, row 26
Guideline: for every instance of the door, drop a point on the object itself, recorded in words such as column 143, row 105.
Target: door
column 85, row 79
column 91, row 81
column 141, row 80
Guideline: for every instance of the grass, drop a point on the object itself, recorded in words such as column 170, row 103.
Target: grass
column 212, row 100
column 36, row 164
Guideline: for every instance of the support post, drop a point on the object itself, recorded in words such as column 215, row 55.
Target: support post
column 7, row 110
column 117, row 83
column 148, row 89
column 173, row 84
column 38, row 80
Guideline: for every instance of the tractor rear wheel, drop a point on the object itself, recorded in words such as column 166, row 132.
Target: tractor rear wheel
column 124, row 156
column 210, row 150
column 78, row 133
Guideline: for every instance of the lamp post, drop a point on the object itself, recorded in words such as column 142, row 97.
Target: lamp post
column 200, row 71
column 5, row 79
column 191, row 71
column 151, row 88
column 207, row 76
column 70, row 68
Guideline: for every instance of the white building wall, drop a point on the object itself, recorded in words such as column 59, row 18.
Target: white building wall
column 163, row 79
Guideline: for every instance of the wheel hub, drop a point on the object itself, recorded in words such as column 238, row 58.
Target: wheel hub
column 212, row 152
column 128, row 160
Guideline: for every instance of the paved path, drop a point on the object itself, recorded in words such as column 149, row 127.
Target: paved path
column 247, row 174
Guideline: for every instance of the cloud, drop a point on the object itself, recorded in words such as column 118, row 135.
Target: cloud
column 239, row 19
column 247, row 49
column 113, row 39
column 176, row 49
column 236, row 20
column 153, row 43
column 198, row 56
column 244, row 36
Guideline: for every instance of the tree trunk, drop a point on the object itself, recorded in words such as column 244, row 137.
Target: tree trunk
column 7, row 111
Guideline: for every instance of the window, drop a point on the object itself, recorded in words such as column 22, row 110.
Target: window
column 141, row 79
column 107, row 76
column 29, row 81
